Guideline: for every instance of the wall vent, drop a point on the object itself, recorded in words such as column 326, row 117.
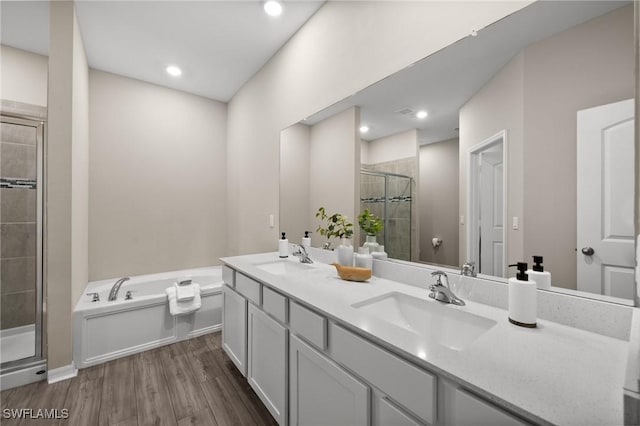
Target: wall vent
column 405, row 111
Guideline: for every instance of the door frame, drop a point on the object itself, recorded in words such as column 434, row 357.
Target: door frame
column 473, row 186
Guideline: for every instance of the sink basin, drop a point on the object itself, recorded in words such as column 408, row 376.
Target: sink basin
column 446, row 325
column 283, row 267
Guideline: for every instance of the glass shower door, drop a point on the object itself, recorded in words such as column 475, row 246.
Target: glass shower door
column 21, row 166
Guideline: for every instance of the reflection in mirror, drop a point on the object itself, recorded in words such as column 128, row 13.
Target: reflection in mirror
column 531, row 75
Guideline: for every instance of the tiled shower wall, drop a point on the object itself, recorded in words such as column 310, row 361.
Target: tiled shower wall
column 18, row 234
column 402, row 240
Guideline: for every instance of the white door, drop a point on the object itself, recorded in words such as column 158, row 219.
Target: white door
column 486, row 206
column 491, row 207
column 267, row 362
column 322, row 393
column 605, row 165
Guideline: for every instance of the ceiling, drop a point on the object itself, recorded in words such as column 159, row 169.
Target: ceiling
column 219, row 45
column 444, row 81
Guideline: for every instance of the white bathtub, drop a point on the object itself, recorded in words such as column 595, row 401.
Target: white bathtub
column 105, row 330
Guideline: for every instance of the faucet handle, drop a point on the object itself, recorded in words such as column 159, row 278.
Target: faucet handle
column 95, row 297
column 438, row 274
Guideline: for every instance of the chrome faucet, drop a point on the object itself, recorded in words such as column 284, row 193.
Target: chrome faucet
column 113, row 294
column 468, row 269
column 442, row 292
column 301, row 252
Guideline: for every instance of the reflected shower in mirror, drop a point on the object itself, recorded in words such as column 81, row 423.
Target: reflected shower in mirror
column 530, row 77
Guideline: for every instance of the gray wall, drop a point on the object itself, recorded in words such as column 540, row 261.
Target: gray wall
column 438, row 195
column 157, row 178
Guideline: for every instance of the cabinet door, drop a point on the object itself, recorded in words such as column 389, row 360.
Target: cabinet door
column 321, row 393
column 234, row 328
column 464, row 409
column 267, row 362
column 387, row 413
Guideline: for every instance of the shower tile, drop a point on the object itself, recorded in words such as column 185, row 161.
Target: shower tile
column 17, row 205
column 17, row 161
column 18, row 309
column 17, row 133
column 17, row 274
column 17, row 240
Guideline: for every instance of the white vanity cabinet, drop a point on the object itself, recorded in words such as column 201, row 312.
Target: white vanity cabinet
column 322, row 393
column 267, row 361
column 386, row 412
column 234, row 327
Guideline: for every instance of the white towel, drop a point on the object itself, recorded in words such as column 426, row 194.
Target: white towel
column 179, row 308
column 185, row 292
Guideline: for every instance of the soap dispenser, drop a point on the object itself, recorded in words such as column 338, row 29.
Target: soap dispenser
column 523, row 306
column 283, row 246
column 306, row 240
column 539, row 275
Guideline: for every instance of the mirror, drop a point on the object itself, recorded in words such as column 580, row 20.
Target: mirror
column 541, row 78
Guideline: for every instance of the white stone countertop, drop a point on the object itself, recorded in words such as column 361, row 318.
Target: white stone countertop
column 552, row 374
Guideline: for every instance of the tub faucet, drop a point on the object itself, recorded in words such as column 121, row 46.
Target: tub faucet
column 442, row 292
column 301, row 252
column 113, row 294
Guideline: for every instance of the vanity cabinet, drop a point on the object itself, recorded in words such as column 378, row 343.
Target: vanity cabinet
column 267, row 361
column 234, row 327
column 321, row 392
column 386, row 412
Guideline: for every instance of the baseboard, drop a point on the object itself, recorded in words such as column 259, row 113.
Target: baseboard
column 62, row 373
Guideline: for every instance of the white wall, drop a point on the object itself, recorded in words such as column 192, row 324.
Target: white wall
column 438, row 198
column 343, row 48
column 23, row 76
column 157, row 178
column 295, row 151
column 67, row 147
column 334, row 168
column 393, row 147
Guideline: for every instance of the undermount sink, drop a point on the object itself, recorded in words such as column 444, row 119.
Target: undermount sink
column 445, row 324
column 283, row 267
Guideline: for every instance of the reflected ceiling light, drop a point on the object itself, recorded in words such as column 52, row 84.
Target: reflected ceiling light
column 364, row 129
column 174, row 71
column 422, row 114
column 273, row 8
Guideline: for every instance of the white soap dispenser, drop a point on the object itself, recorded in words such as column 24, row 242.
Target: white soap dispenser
column 539, row 275
column 306, row 240
column 283, row 246
column 523, row 303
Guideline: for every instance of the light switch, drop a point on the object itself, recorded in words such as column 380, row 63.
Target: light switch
column 515, row 225
column 461, row 220
column 272, row 221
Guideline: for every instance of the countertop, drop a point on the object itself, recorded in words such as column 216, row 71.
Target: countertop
column 552, row 374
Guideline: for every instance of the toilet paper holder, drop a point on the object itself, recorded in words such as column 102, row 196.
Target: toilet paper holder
column 436, row 242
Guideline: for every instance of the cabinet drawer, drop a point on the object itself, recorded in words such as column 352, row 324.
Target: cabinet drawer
column 228, row 276
column 248, row 288
column 471, row 411
column 274, row 304
column 413, row 388
column 307, row 324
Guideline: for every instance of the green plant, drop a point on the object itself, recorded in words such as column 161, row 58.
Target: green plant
column 337, row 225
column 369, row 222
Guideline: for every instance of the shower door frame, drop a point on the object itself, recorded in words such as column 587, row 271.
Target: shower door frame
column 386, row 176
column 40, row 337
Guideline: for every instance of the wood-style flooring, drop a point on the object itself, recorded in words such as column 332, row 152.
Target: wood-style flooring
column 187, row 383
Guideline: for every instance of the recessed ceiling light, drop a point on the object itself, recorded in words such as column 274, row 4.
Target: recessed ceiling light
column 364, row 129
column 273, row 8
column 421, row 114
column 174, row 71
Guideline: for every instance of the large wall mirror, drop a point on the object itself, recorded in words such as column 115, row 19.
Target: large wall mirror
column 515, row 141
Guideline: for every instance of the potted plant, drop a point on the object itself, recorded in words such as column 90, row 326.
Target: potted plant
column 370, row 225
column 337, row 225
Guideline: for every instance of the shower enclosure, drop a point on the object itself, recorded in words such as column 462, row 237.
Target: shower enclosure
column 21, row 223
column 388, row 196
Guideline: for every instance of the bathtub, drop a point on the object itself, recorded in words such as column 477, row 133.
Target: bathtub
column 105, row 330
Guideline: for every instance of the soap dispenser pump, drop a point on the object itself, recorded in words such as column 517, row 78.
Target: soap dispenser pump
column 306, row 240
column 283, row 246
column 539, row 275
column 523, row 306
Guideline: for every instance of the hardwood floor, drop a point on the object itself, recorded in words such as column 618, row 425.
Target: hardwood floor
column 187, row 383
